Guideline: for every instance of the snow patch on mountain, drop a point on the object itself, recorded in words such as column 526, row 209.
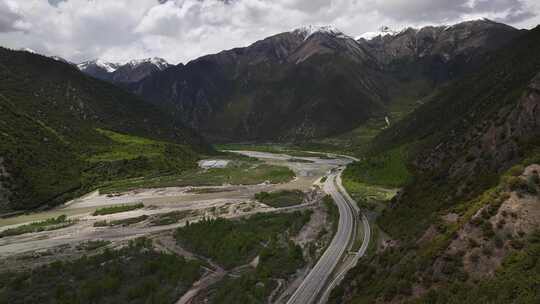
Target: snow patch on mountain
column 383, row 31
column 160, row 63
column 308, row 31
column 29, row 50
column 107, row 66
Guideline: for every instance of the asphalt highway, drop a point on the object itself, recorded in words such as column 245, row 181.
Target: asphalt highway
column 314, row 287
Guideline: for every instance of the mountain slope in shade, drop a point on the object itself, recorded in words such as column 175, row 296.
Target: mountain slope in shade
column 314, row 82
column 277, row 88
column 132, row 71
column 51, row 115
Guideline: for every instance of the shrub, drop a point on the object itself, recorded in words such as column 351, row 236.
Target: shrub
column 516, row 170
column 535, row 178
column 516, row 183
column 473, row 243
column 517, row 244
column 532, row 182
column 477, row 221
column 499, row 243
column 487, row 229
column 535, row 237
column 487, row 251
column 474, row 257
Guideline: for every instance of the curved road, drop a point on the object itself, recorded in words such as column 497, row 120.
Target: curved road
column 316, row 285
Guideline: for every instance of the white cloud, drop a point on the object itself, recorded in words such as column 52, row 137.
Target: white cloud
column 180, row 30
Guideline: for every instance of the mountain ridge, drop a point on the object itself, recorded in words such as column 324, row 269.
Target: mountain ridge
column 132, row 71
column 346, row 78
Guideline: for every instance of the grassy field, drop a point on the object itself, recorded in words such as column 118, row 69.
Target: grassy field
column 129, row 156
column 233, row 243
column 117, row 209
column 387, row 169
column 238, row 172
column 371, row 197
column 128, row 147
column 46, row 225
column 280, row 199
column 135, row 274
column 353, row 142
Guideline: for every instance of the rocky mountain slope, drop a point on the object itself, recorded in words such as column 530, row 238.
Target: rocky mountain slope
column 447, row 42
column 133, row 71
column 465, row 227
column 314, row 82
column 54, row 119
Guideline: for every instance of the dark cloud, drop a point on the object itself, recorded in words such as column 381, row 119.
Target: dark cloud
column 8, row 18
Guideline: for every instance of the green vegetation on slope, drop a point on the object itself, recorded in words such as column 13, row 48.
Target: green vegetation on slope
column 515, row 282
column 135, row 274
column 280, row 199
column 465, row 137
column 386, row 169
column 125, row 156
column 54, row 142
column 236, row 242
column 128, row 147
column 374, row 180
column 369, row 196
column 30, row 168
column 46, row 225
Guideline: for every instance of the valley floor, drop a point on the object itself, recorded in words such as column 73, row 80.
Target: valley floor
column 95, row 220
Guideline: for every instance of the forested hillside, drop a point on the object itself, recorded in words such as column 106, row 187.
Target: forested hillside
column 56, row 120
column 467, row 218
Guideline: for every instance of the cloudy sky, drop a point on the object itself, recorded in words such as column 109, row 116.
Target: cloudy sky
column 180, row 30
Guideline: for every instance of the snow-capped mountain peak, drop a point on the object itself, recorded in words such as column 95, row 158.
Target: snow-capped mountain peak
column 160, row 63
column 383, row 31
column 107, row 66
column 308, row 31
column 29, row 50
